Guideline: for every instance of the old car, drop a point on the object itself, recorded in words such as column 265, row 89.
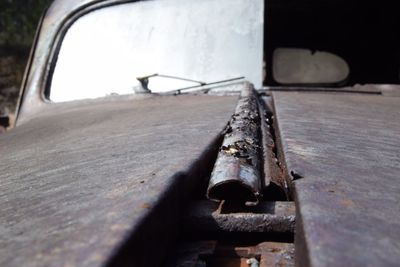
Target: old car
column 206, row 133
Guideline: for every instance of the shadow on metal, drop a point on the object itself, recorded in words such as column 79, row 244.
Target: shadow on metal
column 156, row 235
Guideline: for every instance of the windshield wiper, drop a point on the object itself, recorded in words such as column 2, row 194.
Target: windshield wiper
column 178, row 91
column 144, row 83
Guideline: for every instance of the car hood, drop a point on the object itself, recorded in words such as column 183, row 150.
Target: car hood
column 80, row 177
column 342, row 150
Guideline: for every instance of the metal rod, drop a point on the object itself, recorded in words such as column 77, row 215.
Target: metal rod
column 267, row 217
column 211, row 83
column 169, row 77
column 236, row 174
column 268, row 143
column 183, row 79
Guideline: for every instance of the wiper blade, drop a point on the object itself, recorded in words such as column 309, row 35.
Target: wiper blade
column 178, row 91
column 144, row 81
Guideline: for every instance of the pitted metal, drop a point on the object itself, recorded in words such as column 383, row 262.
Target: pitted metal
column 343, row 153
column 236, row 175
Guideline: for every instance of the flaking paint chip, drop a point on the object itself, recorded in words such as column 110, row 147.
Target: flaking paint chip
column 230, row 150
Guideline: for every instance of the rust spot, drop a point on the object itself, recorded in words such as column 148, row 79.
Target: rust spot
column 275, row 250
column 347, row 202
column 146, row 206
column 236, row 174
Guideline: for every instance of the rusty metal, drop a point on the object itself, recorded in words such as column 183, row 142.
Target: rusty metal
column 88, row 182
column 267, row 217
column 344, row 149
column 216, row 253
column 274, row 168
column 373, row 89
column 268, row 144
column 236, row 175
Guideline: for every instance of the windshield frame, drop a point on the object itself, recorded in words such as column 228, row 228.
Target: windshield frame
column 57, row 45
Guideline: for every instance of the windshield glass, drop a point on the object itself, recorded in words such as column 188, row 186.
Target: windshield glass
column 104, row 51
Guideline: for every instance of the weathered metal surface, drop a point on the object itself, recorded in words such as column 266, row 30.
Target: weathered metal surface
column 89, row 180
column 276, row 254
column 236, row 175
column 372, row 89
column 267, row 217
column 268, row 143
column 35, row 74
column 51, row 27
column 215, row 253
column 346, row 148
column 273, row 169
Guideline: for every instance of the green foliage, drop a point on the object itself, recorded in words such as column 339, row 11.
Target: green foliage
column 19, row 19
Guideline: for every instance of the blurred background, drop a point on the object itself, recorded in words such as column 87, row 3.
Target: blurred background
column 18, row 22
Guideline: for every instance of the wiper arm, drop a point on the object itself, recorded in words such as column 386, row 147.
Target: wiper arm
column 144, row 82
column 178, row 91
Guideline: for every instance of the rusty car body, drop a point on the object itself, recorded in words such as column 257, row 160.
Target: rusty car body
column 272, row 171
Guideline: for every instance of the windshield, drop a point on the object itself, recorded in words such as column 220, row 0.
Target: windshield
column 105, row 51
